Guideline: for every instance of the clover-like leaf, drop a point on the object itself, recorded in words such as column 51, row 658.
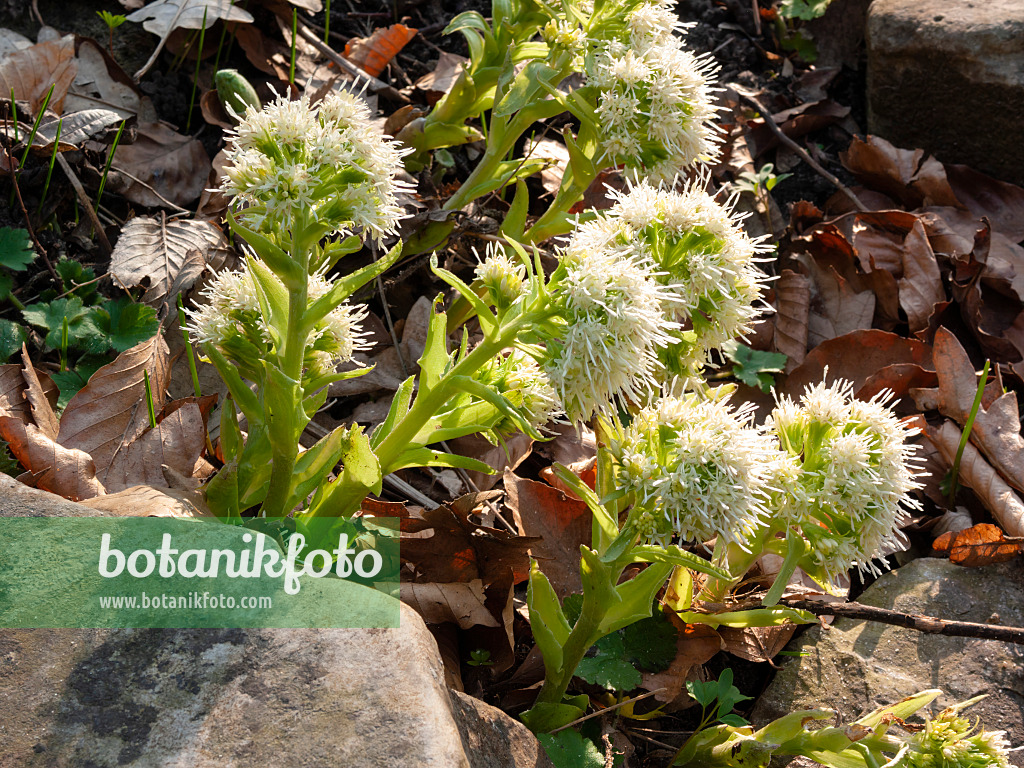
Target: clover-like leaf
column 568, row 749
column 82, row 331
column 12, row 336
column 609, row 666
column 651, row 643
column 126, row 323
column 752, row 366
column 16, row 251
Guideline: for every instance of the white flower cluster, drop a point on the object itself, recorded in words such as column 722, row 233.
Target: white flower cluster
column 701, row 250
column 231, row 320
column 615, row 314
column 849, row 477
column 328, row 160
column 947, row 742
column 697, row 468
column 517, row 377
column 655, row 104
column 502, row 276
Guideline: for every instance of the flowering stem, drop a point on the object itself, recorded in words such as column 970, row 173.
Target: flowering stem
column 576, row 647
column 283, row 397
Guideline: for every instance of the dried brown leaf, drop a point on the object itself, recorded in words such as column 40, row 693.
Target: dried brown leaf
column 837, row 309
column 1001, row 203
column 509, row 455
column 563, row 523
column 441, row 79
column 982, row 544
column 902, row 174
column 921, row 285
column 146, row 501
column 856, row 357
column 65, row 471
column 29, row 73
column 164, row 16
column 997, row 429
column 177, row 441
column 696, row 644
column 756, row 643
column 792, row 310
column 976, row 473
column 461, row 603
column 163, row 256
column 161, row 166
column 110, row 411
column 373, row 53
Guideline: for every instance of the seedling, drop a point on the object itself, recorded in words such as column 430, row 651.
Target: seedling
column 113, row 21
column 295, row 39
column 32, row 134
column 149, row 400
column 480, row 658
column 188, row 350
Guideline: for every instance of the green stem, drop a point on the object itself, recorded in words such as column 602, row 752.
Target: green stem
column 576, row 647
column 281, row 422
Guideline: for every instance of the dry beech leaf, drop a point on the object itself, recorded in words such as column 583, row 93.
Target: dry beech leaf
column 100, row 81
column 65, row 471
column 461, row 603
column 156, row 253
column 562, row 522
column 792, row 302
column 14, row 395
column 372, row 54
column 110, row 411
column 1001, row 203
column 996, row 429
column 696, row 644
column 146, row 501
column 177, row 442
column 902, row 174
column 441, row 79
column 166, row 166
column 976, row 473
column 41, row 407
column 899, row 379
column 30, row 73
column 756, row 643
column 982, row 544
column 856, row 357
column 921, row 285
column 75, row 127
column 585, row 470
column 163, row 17
column 837, row 309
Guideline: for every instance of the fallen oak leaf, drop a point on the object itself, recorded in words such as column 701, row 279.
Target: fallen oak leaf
column 982, row 544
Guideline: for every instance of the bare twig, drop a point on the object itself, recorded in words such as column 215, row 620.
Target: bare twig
column 375, row 85
column 774, row 127
column 28, row 224
column 928, row 624
column 608, row 709
column 86, row 203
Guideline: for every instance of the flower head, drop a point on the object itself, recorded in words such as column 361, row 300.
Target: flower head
column 293, row 158
column 517, row 377
column 233, row 321
column 502, row 276
column 850, row 477
column 697, row 469
column 614, row 311
column 702, row 252
column 655, row 101
column 947, row 742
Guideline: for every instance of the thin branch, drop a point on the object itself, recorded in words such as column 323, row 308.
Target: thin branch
column 774, row 127
column 28, row 223
column 928, row 624
column 608, row 709
column 87, row 204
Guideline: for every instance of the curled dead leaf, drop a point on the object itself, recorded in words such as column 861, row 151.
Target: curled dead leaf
column 976, row 473
column 982, row 544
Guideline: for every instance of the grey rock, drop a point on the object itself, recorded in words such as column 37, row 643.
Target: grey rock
column 235, row 698
column 948, row 76
column 856, row 666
